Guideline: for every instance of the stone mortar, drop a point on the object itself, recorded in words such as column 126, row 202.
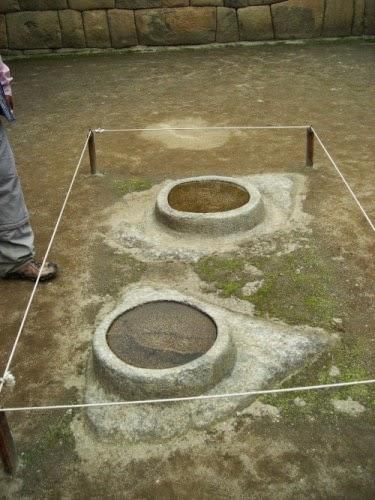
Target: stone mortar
column 265, row 353
column 216, row 223
column 133, row 383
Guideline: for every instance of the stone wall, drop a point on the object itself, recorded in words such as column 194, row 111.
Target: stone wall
column 58, row 25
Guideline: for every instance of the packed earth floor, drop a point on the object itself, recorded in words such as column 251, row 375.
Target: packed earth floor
column 321, row 274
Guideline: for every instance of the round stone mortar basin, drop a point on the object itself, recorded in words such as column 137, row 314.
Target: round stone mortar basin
column 209, row 204
column 161, row 348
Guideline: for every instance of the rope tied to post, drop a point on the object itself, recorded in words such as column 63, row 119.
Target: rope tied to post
column 8, row 380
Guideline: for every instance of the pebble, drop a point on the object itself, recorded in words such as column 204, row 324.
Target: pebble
column 254, row 271
column 252, row 287
column 348, row 406
column 340, row 258
column 337, row 323
column 334, row 371
column 259, row 410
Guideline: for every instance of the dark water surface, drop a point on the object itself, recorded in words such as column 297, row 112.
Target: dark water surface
column 161, row 334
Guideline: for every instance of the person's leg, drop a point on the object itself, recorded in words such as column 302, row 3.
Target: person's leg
column 13, row 211
column 16, row 248
column 16, row 235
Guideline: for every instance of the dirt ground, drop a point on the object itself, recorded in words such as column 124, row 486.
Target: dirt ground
column 302, row 448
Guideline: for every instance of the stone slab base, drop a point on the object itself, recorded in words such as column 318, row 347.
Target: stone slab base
column 267, row 352
column 135, row 229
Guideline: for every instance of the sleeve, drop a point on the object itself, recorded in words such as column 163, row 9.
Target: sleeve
column 5, row 78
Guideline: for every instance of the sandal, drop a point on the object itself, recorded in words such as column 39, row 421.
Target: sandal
column 30, row 271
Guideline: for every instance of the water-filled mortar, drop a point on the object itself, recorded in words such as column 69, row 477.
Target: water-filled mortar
column 159, row 349
column 224, row 352
column 209, row 205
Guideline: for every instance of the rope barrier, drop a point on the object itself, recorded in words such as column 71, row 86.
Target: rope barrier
column 344, row 180
column 7, row 373
column 204, row 397
column 167, row 129
column 7, row 376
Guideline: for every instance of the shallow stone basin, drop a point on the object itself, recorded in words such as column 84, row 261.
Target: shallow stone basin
column 161, row 334
column 159, row 347
column 209, row 205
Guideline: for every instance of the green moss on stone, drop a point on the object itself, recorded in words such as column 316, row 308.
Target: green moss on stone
column 56, row 439
column 226, row 273
column 299, row 288
column 349, row 357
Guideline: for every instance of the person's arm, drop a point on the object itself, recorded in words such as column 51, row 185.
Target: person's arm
column 5, row 80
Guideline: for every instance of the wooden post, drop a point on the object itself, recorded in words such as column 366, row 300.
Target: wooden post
column 310, row 147
column 92, row 152
column 7, row 448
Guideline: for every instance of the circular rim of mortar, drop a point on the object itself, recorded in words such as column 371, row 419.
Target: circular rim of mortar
column 192, row 378
column 239, row 219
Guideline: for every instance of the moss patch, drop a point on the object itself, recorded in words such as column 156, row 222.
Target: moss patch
column 112, row 271
column 300, row 287
column 123, row 187
column 57, row 435
column 350, row 358
column 226, row 273
column 49, row 455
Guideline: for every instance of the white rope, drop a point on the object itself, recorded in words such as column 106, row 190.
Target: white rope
column 344, row 180
column 191, row 398
column 167, row 129
column 5, row 376
column 9, row 380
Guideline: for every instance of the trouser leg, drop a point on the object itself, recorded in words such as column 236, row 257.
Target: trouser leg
column 16, row 248
column 16, row 236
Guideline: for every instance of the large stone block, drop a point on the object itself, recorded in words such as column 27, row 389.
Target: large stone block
column 298, row 19
column 9, row 6
column 122, row 28
column 358, row 26
column 175, row 3
column 370, row 17
column 3, row 33
column 206, row 3
column 235, row 3
column 185, row 26
column 264, row 2
column 34, row 30
column 72, row 34
column 227, row 25
column 91, row 4
column 338, row 18
column 43, row 4
column 138, row 4
column 255, row 23
column 96, row 28
column 248, row 3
